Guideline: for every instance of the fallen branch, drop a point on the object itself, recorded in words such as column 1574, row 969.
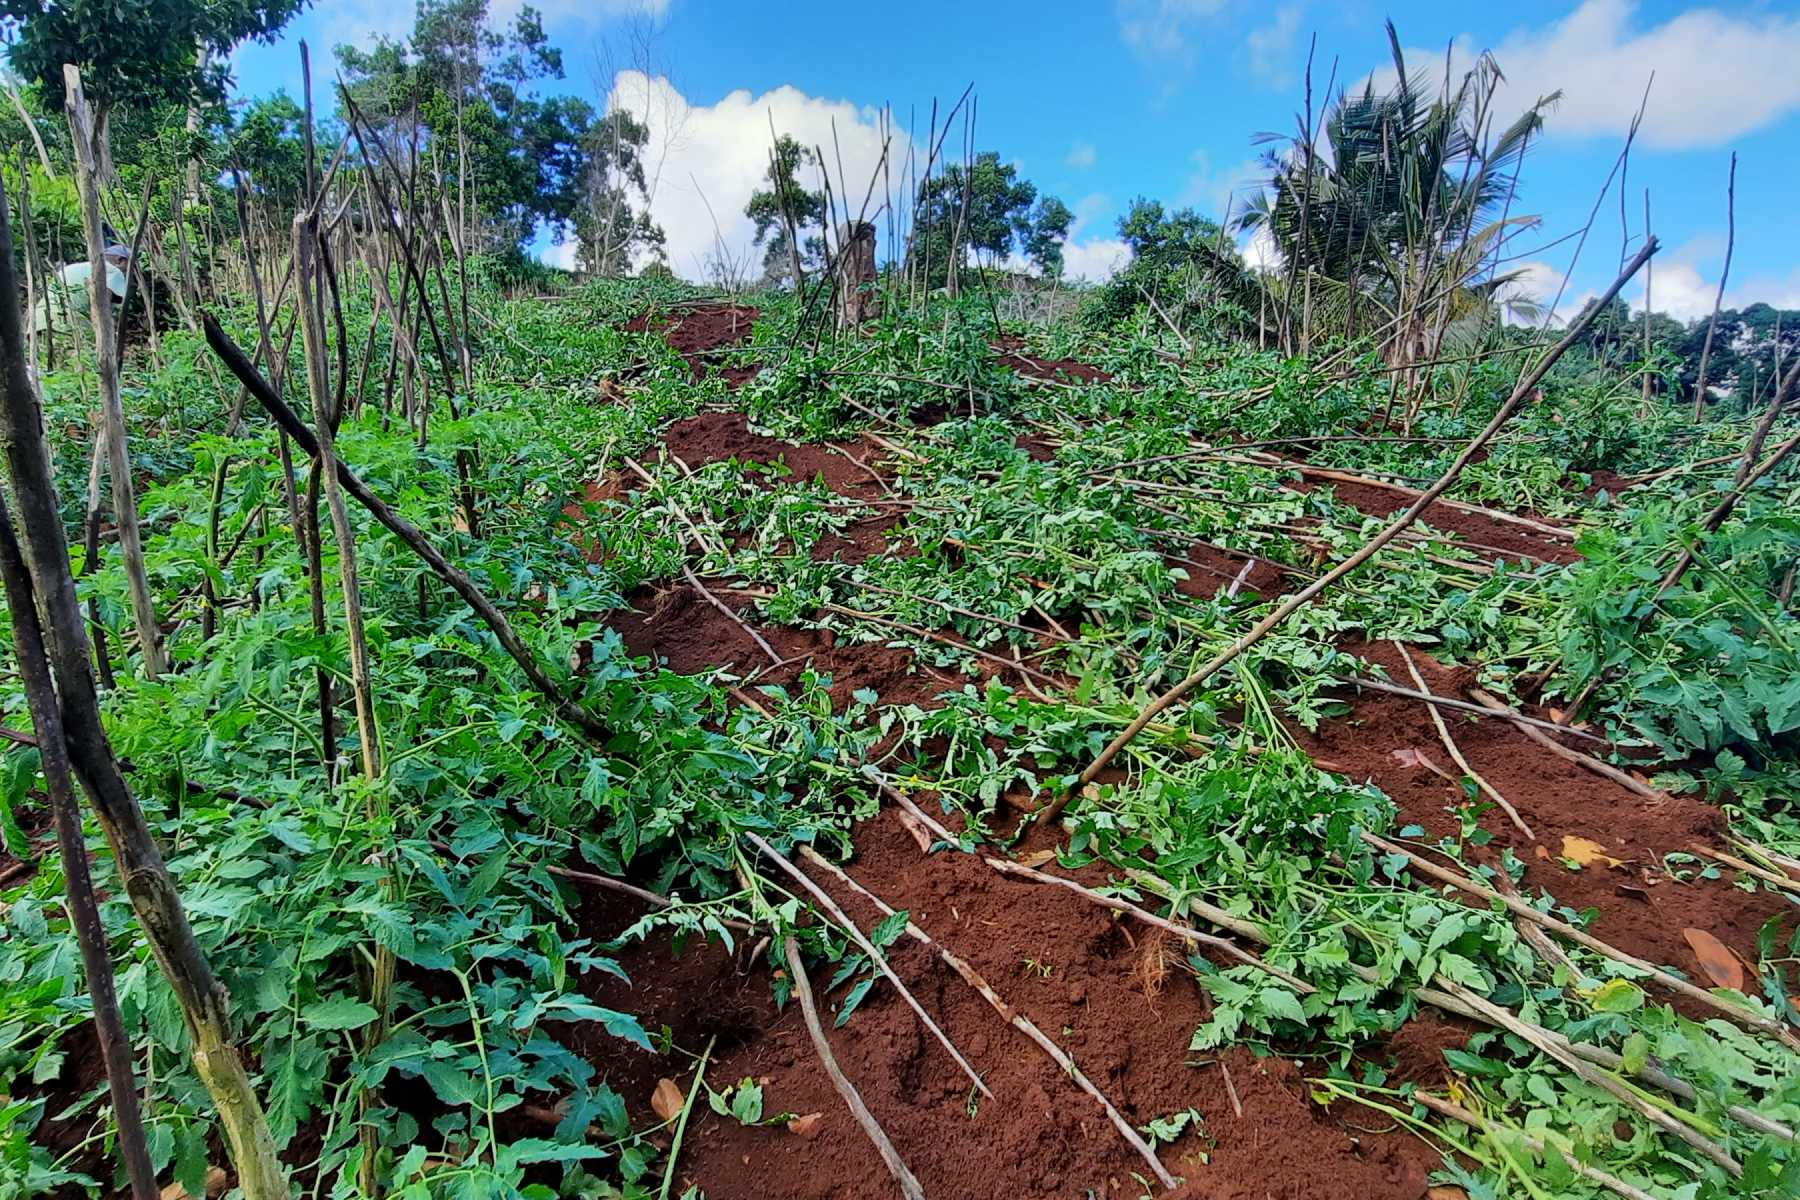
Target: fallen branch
column 1526, row 387
column 823, row 898
column 1743, row 1016
column 1586, row 1072
column 1185, row 932
column 1786, row 883
column 1518, row 718
column 1457, row 1112
column 1018, row 1021
column 1529, row 727
column 706, row 594
column 1450, row 746
column 909, row 1183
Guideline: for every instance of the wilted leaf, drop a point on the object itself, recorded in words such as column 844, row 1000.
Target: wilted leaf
column 806, row 1126
column 1716, row 959
column 1586, row 853
column 668, row 1099
column 1446, row 1193
column 1412, row 756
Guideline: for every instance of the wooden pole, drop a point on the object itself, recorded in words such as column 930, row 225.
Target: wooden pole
column 90, row 152
column 1526, row 387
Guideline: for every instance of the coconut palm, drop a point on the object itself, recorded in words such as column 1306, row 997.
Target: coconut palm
column 1392, row 221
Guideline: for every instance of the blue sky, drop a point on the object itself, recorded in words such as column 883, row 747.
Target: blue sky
column 1103, row 100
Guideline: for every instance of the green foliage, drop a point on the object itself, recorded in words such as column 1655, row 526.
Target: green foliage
column 142, row 54
column 987, row 210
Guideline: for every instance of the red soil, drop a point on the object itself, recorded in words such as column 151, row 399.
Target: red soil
column 1642, row 908
column 1214, row 571
column 1066, row 370
column 1118, row 1001
column 1490, row 536
column 700, row 333
column 846, row 467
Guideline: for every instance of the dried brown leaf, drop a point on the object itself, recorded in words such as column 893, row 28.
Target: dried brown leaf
column 668, row 1099
column 1412, row 756
column 1716, row 959
column 1586, row 853
column 806, row 1126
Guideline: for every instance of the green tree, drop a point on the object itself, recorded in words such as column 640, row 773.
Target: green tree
column 461, row 93
column 144, row 54
column 267, row 145
column 1186, row 263
column 784, row 199
column 1394, row 218
column 986, row 209
column 613, row 218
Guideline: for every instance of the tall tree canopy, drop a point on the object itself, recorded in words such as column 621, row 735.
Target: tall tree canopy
column 987, row 209
column 458, row 82
column 143, row 53
column 613, row 218
column 1396, row 216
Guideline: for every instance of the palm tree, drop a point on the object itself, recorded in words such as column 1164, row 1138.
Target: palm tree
column 1392, row 222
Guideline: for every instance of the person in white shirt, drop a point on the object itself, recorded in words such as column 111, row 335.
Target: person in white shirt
column 67, row 292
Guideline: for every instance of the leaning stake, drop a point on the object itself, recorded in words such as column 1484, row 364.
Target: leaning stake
column 909, row 1183
column 458, row 582
column 205, row 1004
column 1307, row 595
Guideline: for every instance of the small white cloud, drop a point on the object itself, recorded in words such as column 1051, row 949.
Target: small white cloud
column 1087, row 210
column 1719, row 73
column 1221, row 191
column 560, row 254
column 1271, row 48
column 1082, row 156
column 1159, row 29
column 1260, row 252
column 1094, row 261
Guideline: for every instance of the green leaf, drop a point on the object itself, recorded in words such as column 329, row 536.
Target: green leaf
column 338, row 1012
column 1281, row 1003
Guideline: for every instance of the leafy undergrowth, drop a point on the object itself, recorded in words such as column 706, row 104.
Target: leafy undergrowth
column 1041, row 557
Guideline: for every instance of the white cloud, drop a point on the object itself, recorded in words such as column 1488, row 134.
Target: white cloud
column 707, row 160
column 1158, row 29
column 1271, row 48
column 1094, row 261
column 1224, row 190
column 1082, row 156
column 1259, row 251
column 1535, row 289
column 1684, row 282
column 1719, row 74
column 560, row 254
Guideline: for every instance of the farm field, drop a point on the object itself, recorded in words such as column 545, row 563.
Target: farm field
column 827, row 600
column 1306, row 708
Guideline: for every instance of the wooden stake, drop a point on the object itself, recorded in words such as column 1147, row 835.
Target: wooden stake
column 1020, row 1022
column 1450, row 747
column 809, row 1009
column 1743, row 1016
column 869, row 948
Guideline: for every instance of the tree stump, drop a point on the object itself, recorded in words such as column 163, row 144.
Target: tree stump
column 854, row 274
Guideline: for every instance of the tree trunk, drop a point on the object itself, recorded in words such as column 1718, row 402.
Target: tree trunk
column 84, row 909
column 854, row 273
column 89, row 154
